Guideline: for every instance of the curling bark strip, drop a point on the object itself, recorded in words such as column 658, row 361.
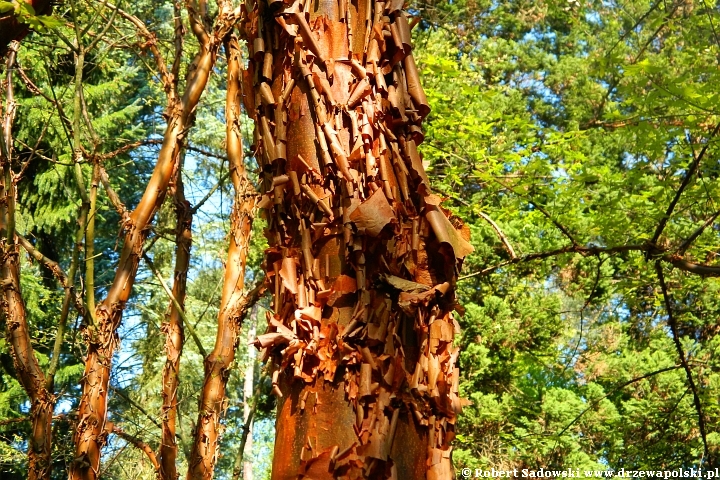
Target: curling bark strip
column 90, row 434
column 174, row 334
column 363, row 260
column 12, row 306
column 233, row 304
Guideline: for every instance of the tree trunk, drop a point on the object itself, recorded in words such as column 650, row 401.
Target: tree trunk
column 362, row 259
column 248, row 391
column 233, row 303
column 101, row 337
column 174, row 334
column 12, row 306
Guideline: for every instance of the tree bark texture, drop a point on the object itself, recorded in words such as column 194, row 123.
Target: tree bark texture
column 101, row 338
column 363, row 259
column 12, row 306
column 233, row 302
column 174, row 334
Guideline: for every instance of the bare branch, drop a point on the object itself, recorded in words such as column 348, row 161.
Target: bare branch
column 137, row 443
column 181, row 311
column 689, row 173
column 652, row 250
column 681, row 353
column 688, row 241
column 210, row 192
column 500, row 233
column 53, row 267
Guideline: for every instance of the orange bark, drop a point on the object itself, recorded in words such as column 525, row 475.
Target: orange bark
column 363, row 260
column 233, row 303
column 12, row 306
column 174, row 334
column 101, row 338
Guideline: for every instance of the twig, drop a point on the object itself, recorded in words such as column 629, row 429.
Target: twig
column 686, row 244
column 181, row 311
column 560, row 227
column 681, row 354
column 210, row 193
column 132, row 402
column 652, row 250
column 114, row 198
column 500, row 233
column 619, row 387
column 689, row 173
column 53, row 267
column 137, row 443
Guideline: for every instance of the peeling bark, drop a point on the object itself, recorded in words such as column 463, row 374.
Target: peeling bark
column 12, row 306
column 101, row 338
column 174, row 334
column 363, row 259
column 233, row 303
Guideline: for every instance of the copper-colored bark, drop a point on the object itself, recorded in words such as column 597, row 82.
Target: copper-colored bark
column 363, row 260
column 12, row 306
column 11, row 29
column 233, row 304
column 101, row 338
column 174, row 334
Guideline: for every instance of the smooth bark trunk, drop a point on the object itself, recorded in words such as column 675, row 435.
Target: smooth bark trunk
column 362, row 260
column 233, row 303
column 175, row 335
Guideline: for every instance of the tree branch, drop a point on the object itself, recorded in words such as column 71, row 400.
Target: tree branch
column 53, row 267
column 652, row 250
column 690, row 172
column 176, row 304
column 500, row 233
column 681, row 353
column 686, row 244
column 137, row 443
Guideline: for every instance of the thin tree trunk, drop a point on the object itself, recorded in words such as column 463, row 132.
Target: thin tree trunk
column 12, row 306
column 362, row 257
column 101, row 337
column 233, row 304
column 242, row 467
column 248, row 390
column 174, row 334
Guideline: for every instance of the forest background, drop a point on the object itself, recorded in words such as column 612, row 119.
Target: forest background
column 576, row 139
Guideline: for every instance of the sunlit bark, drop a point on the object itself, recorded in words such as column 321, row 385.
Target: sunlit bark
column 101, row 338
column 12, row 306
column 362, row 260
column 233, row 303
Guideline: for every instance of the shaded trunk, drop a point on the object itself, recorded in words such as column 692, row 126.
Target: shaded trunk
column 233, row 303
column 174, row 334
column 362, row 259
column 12, row 306
column 101, row 338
